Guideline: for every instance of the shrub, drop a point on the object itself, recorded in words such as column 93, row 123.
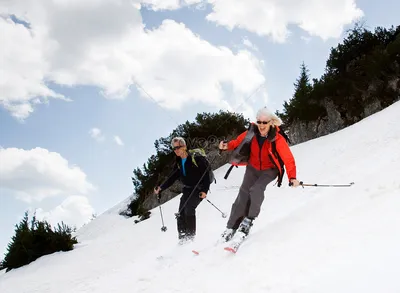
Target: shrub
column 35, row 240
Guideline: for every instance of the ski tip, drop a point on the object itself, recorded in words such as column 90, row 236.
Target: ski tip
column 230, row 249
column 195, row 252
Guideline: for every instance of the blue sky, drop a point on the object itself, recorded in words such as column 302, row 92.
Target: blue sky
column 76, row 70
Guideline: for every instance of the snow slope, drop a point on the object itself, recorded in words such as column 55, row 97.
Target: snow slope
column 316, row 239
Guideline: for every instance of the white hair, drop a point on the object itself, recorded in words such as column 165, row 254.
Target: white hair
column 179, row 139
column 265, row 112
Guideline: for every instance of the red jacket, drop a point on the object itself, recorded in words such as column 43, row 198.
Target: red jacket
column 264, row 158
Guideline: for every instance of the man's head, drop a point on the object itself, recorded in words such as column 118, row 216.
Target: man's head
column 178, row 144
column 266, row 119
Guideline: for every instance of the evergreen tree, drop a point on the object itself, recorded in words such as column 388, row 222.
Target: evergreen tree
column 301, row 106
column 35, row 240
column 302, row 92
column 360, row 71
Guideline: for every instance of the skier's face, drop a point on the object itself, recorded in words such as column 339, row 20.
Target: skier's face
column 178, row 149
column 263, row 123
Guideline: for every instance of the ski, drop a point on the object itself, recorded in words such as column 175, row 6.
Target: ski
column 215, row 244
column 230, row 249
column 235, row 245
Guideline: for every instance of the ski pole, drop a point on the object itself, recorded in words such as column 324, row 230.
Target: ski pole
column 223, row 214
column 163, row 228
column 324, row 185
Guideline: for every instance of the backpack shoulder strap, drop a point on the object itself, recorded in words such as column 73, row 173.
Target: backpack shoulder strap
column 229, row 171
column 283, row 133
column 197, row 152
column 276, row 154
column 194, row 160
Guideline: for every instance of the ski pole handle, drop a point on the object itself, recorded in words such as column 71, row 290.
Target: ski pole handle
column 301, row 183
column 220, row 151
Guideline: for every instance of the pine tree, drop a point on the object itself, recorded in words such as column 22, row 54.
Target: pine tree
column 302, row 85
column 18, row 250
column 35, row 240
column 297, row 107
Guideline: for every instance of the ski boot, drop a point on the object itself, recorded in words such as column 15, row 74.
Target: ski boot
column 181, row 238
column 245, row 226
column 240, row 235
column 228, row 234
column 186, row 238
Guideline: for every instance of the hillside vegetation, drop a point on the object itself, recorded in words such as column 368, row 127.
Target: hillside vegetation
column 35, row 239
column 362, row 70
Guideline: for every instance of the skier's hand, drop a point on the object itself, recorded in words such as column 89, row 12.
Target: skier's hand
column 157, row 191
column 223, row 145
column 294, row 183
column 203, row 194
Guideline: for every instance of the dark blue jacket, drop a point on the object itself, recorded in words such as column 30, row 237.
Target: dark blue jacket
column 193, row 174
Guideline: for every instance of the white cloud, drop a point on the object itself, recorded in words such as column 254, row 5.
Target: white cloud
column 167, row 4
column 37, row 174
column 249, row 44
column 258, row 98
column 96, row 134
column 324, row 19
column 69, row 43
column 189, row 69
column 22, row 69
column 118, row 140
column 306, row 40
column 73, row 211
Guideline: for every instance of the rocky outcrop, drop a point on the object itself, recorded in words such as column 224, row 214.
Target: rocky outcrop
column 300, row 131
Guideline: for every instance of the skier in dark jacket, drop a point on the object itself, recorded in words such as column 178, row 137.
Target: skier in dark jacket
column 190, row 175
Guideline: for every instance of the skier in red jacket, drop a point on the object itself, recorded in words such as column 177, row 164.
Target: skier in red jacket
column 265, row 153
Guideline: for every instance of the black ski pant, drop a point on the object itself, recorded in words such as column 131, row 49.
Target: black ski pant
column 186, row 221
column 251, row 195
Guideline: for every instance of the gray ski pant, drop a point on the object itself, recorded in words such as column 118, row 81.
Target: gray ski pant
column 251, row 195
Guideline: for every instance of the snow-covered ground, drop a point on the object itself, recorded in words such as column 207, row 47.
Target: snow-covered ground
column 311, row 240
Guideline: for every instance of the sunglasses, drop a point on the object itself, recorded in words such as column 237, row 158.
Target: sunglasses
column 263, row 122
column 176, row 147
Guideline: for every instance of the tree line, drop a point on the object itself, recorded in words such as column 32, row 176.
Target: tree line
column 361, row 70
